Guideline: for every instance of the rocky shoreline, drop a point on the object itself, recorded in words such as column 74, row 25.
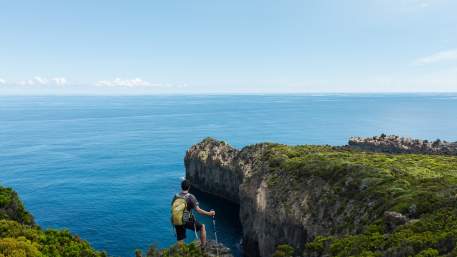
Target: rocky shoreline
column 396, row 144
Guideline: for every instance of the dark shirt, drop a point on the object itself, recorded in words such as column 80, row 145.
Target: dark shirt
column 192, row 201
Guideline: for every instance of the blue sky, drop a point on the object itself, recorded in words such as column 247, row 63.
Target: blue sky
column 249, row 46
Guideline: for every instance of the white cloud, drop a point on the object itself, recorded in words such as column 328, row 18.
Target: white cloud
column 60, row 81
column 2, row 81
column 448, row 55
column 42, row 81
column 131, row 83
column 28, row 82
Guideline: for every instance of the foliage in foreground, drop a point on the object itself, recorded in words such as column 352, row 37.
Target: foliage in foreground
column 19, row 237
column 11, row 207
column 18, row 240
column 178, row 250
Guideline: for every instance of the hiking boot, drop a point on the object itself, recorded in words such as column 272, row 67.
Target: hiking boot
column 204, row 247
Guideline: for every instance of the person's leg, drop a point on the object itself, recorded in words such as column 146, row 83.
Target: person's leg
column 180, row 234
column 198, row 227
column 203, row 235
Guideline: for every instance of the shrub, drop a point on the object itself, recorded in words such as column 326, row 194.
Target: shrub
column 284, row 250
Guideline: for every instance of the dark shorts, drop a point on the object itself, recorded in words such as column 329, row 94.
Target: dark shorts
column 191, row 225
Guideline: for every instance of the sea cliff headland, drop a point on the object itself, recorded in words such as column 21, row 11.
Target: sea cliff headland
column 333, row 201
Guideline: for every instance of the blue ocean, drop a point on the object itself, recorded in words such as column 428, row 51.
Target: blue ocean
column 107, row 168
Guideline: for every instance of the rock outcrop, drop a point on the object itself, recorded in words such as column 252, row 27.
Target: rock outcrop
column 219, row 169
column 296, row 195
column 396, row 144
column 214, row 249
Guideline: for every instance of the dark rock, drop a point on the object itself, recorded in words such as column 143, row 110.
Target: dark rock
column 211, row 167
column 214, row 249
column 394, row 219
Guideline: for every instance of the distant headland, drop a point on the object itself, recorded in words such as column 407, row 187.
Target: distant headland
column 396, row 144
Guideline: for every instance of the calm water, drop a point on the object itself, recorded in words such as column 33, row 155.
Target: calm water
column 107, row 167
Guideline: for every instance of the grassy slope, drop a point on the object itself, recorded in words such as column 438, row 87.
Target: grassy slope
column 422, row 187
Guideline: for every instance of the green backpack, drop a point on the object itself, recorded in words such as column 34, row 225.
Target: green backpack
column 179, row 213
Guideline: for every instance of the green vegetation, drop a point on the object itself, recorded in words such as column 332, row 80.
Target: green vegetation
column 179, row 250
column 12, row 208
column 407, row 183
column 284, row 250
column 365, row 185
column 20, row 237
column 433, row 235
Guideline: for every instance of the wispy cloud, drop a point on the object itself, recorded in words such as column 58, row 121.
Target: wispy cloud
column 2, row 81
column 42, row 81
column 118, row 82
column 135, row 83
column 60, row 81
column 442, row 56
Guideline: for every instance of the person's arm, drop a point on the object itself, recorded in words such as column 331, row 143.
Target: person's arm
column 196, row 206
column 203, row 212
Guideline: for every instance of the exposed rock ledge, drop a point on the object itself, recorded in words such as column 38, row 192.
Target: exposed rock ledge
column 297, row 195
column 396, row 144
column 219, row 169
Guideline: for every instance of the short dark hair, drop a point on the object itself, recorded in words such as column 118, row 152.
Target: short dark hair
column 185, row 184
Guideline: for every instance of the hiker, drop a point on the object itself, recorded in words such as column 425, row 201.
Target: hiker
column 182, row 216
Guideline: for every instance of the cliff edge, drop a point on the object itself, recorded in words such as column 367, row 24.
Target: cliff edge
column 330, row 201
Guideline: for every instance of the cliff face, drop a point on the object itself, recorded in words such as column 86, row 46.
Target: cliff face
column 297, row 195
column 217, row 168
column 239, row 176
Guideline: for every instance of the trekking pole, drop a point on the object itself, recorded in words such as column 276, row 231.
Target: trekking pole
column 215, row 234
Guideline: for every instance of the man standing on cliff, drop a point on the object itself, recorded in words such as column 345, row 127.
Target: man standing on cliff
column 182, row 217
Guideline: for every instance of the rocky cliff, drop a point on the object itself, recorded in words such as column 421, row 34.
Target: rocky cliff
column 219, row 169
column 396, row 144
column 320, row 199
